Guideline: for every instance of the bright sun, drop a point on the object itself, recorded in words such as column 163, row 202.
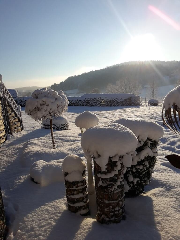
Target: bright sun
column 142, row 48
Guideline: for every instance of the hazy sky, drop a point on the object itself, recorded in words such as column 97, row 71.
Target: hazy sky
column 45, row 41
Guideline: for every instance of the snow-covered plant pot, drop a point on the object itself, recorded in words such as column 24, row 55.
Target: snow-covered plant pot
column 2, row 219
column 139, row 174
column 46, row 104
column 111, row 150
column 75, row 183
column 153, row 102
column 86, row 120
column 58, row 123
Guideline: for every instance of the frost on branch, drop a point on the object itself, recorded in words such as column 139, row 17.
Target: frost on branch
column 46, row 104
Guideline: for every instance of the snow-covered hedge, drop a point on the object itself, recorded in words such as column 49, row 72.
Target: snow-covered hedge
column 148, row 135
column 111, row 148
column 75, row 182
column 58, row 123
column 105, row 100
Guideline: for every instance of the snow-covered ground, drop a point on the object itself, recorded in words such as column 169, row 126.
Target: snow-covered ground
column 39, row 212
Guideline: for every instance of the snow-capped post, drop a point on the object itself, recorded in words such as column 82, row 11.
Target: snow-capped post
column 111, row 148
column 86, row 120
column 139, row 174
column 46, row 104
column 76, row 188
column 2, row 219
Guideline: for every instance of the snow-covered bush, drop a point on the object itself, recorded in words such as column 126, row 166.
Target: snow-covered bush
column 111, row 148
column 46, row 173
column 148, row 135
column 46, row 104
column 86, row 120
column 75, row 182
column 58, row 123
column 153, row 102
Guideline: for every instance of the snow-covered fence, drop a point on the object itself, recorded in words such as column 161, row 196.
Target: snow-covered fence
column 2, row 219
column 139, row 174
column 10, row 114
column 111, row 149
column 75, row 182
column 123, row 99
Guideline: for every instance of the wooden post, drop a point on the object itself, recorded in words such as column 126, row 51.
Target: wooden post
column 52, row 136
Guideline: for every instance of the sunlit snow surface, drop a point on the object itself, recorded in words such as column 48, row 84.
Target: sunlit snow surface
column 39, row 212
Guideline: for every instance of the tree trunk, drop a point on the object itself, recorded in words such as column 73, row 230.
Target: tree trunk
column 52, row 134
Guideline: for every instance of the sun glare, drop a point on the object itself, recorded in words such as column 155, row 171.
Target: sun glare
column 142, row 48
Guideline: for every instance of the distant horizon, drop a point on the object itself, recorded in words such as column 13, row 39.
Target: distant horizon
column 27, row 86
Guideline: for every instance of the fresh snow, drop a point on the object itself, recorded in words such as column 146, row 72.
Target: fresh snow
column 172, row 97
column 143, row 129
column 103, row 142
column 38, row 212
column 86, row 120
column 46, row 173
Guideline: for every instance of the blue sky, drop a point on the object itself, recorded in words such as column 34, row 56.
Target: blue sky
column 45, row 41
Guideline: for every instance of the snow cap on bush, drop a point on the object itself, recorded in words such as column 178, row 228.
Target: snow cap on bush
column 143, row 129
column 172, row 97
column 103, row 142
column 86, row 120
column 73, row 163
column 46, row 104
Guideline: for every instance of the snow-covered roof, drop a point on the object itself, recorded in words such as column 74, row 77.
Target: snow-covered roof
column 143, row 129
column 73, row 163
column 172, row 97
column 86, row 120
column 108, row 141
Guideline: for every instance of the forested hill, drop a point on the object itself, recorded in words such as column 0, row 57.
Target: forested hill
column 163, row 73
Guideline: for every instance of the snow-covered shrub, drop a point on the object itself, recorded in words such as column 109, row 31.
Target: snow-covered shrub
column 46, row 173
column 75, row 182
column 153, row 102
column 86, row 120
column 111, row 148
column 148, row 135
column 46, row 104
column 58, row 123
